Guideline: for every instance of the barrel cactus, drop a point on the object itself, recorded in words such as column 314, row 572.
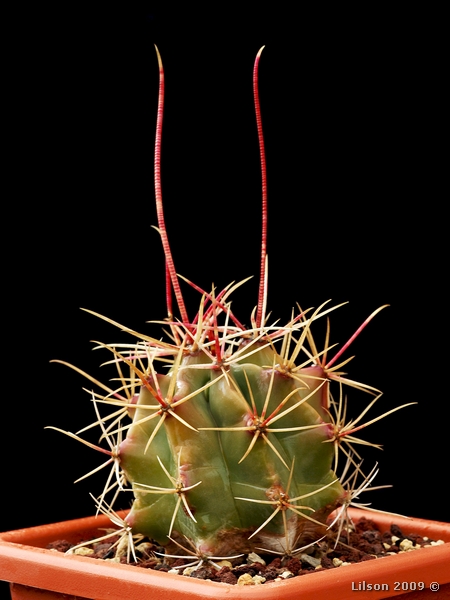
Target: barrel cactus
column 227, row 437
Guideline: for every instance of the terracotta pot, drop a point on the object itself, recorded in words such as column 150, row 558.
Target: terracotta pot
column 36, row 573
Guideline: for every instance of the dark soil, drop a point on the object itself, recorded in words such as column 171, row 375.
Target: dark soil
column 365, row 543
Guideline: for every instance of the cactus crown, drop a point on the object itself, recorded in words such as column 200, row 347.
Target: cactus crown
column 228, row 437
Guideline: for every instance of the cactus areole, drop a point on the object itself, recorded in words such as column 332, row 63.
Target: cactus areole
column 226, row 437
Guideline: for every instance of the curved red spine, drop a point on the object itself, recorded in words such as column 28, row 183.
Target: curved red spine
column 170, row 267
column 262, row 282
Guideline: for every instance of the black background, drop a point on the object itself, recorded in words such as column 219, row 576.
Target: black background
column 352, row 113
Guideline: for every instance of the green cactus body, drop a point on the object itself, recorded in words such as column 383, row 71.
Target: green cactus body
column 226, row 416
column 234, row 448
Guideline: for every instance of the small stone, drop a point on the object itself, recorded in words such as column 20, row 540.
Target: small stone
column 254, row 558
column 226, row 576
column 395, row 530
column 258, row 579
column 310, row 560
column 83, row 551
column 116, row 559
column 60, row 546
column 245, row 579
column 188, row 570
column 224, row 563
column 406, row 545
column 286, row 575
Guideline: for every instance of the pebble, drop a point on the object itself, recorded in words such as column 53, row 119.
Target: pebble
column 83, row 551
column 286, row 575
column 310, row 560
column 337, row 562
column 224, row 563
column 255, row 558
column 247, row 579
column 406, row 545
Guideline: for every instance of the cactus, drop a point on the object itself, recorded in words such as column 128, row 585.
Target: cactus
column 227, row 436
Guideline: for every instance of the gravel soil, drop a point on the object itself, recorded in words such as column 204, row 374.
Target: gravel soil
column 366, row 542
